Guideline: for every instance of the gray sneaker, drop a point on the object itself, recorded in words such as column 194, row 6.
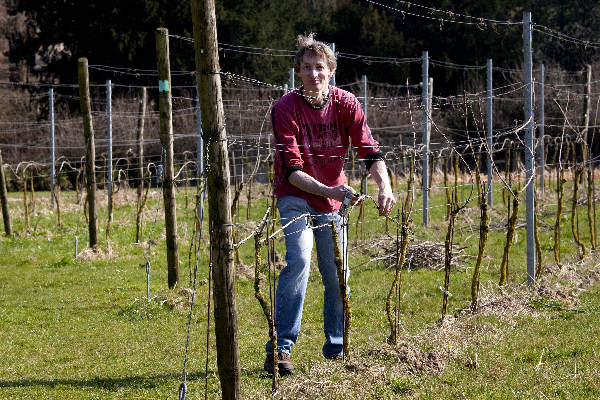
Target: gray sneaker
column 284, row 364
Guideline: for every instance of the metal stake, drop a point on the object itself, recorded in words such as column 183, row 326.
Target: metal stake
column 489, row 127
column 529, row 148
column 426, row 111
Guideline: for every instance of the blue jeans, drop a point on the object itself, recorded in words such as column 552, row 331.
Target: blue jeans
column 291, row 287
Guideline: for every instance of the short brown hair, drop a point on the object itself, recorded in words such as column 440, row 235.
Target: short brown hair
column 308, row 43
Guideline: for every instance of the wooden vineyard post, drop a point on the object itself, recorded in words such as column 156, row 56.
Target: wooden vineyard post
column 90, row 155
column 4, row 200
column 219, row 196
column 140, row 164
column 166, row 139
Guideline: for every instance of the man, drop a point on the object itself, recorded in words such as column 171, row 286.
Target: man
column 313, row 126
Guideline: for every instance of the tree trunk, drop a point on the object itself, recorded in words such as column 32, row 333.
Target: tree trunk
column 219, row 202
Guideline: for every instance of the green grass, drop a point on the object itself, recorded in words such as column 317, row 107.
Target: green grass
column 82, row 329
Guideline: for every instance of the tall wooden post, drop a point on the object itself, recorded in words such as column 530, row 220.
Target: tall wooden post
column 90, row 155
column 219, row 196
column 140, row 164
column 4, row 200
column 166, row 139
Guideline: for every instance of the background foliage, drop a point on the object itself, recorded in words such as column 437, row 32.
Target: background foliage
column 121, row 33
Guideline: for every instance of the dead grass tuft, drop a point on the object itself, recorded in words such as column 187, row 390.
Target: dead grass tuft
column 89, row 254
column 178, row 300
column 419, row 253
column 356, row 377
column 410, row 359
column 244, row 271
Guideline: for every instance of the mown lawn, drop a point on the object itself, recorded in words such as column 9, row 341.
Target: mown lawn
column 81, row 328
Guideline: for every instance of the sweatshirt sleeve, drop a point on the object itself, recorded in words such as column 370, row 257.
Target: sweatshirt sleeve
column 285, row 132
column 359, row 132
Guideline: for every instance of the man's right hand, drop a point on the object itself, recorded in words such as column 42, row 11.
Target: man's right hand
column 339, row 192
column 303, row 181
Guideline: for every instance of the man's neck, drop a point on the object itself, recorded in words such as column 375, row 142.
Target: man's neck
column 316, row 98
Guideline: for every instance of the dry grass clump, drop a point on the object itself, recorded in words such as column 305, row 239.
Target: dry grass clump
column 359, row 376
column 558, row 288
column 170, row 300
column 89, row 254
column 178, row 300
column 408, row 358
column 244, row 271
column 419, row 253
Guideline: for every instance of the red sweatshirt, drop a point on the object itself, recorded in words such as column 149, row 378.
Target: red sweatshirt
column 316, row 140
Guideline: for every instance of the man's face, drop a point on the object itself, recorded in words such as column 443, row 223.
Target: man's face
column 315, row 73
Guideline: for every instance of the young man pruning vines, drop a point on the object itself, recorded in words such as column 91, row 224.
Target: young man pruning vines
column 313, row 126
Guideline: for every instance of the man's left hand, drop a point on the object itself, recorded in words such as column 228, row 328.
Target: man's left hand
column 386, row 201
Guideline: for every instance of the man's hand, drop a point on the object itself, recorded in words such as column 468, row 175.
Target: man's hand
column 339, row 192
column 305, row 182
column 386, row 201
column 386, row 197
